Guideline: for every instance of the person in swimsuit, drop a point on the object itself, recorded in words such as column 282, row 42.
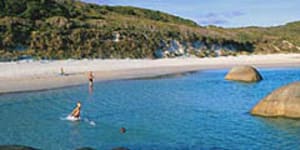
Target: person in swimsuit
column 91, row 78
column 76, row 111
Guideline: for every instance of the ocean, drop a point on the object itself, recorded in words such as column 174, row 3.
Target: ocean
column 198, row 110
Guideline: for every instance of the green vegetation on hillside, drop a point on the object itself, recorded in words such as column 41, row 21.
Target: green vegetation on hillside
column 59, row 29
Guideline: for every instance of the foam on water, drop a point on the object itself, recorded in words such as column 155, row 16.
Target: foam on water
column 71, row 118
column 92, row 123
column 86, row 120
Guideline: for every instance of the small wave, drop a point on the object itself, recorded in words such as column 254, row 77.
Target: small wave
column 92, row 123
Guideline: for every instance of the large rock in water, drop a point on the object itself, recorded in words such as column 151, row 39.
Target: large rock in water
column 284, row 102
column 243, row 73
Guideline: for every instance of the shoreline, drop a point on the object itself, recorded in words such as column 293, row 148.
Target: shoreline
column 44, row 75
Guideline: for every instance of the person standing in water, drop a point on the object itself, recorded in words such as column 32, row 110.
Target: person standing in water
column 91, row 78
column 76, row 111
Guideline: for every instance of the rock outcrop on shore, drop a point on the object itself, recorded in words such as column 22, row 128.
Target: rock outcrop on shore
column 283, row 102
column 244, row 74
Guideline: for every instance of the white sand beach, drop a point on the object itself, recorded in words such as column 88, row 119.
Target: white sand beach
column 41, row 75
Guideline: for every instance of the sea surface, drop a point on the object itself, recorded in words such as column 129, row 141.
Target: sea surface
column 197, row 110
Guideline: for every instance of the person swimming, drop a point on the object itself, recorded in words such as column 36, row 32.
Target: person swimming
column 122, row 130
column 76, row 111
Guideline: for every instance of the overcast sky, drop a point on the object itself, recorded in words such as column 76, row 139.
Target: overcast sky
column 225, row 13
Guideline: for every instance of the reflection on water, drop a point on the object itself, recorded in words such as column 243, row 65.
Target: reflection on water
column 91, row 89
column 175, row 75
column 194, row 111
column 290, row 126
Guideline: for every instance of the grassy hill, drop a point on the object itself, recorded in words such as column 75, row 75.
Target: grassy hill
column 59, row 29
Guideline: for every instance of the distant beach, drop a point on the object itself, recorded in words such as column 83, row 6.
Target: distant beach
column 28, row 75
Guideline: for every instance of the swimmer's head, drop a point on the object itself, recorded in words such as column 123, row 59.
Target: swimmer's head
column 78, row 104
column 122, row 130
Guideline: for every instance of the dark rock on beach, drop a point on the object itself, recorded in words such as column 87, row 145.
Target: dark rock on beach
column 244, row 74
column 283, row 102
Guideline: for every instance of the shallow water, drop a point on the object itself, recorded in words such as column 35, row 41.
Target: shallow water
column 196, row 111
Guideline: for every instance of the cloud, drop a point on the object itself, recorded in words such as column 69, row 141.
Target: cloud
column 209, row 15
column 221, row 18
column 98, row 1
column 212, row 21
column 233, row 14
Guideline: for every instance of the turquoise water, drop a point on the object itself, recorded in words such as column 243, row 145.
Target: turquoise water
column 195, row 111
